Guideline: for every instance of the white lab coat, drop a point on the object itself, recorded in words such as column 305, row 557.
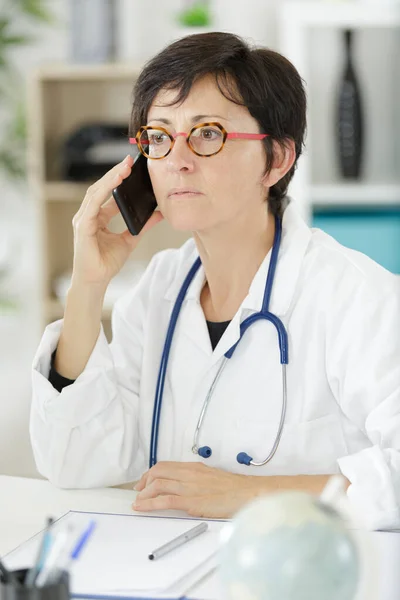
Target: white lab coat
column 342, row 314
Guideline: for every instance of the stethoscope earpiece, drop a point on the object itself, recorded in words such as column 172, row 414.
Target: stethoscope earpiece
column 204, row 452
column 243, row 458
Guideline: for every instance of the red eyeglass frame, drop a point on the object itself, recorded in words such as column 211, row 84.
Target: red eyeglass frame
column 172, row 137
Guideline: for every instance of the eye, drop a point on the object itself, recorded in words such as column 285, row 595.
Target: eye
column 209, row 134
column 157, row 137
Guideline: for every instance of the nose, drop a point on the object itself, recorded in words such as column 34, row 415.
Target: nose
column 181, row 158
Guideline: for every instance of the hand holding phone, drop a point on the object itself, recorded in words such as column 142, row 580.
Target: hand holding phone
column 99, row 254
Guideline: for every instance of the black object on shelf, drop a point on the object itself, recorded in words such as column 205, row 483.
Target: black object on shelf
column 349, row 117
column 92, row 149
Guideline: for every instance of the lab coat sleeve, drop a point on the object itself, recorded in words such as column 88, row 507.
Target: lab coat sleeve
column 87, row 435
column 363, row 364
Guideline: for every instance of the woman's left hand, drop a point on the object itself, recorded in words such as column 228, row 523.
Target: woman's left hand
column 199, row 490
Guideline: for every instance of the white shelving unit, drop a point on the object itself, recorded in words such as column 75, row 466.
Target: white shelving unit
column 297, row 21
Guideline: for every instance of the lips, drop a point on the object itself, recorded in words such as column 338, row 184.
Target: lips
column 182, row 191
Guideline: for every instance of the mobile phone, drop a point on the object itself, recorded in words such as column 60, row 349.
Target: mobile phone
column 135, row 197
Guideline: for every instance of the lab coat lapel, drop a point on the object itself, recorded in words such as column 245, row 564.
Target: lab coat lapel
column 191, row 322
column 296, row 236
column 193, row 325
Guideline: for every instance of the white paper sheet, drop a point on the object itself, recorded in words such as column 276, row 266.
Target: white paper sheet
column 115, row 561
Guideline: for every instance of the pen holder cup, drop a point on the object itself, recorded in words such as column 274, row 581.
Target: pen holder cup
column 15, row 590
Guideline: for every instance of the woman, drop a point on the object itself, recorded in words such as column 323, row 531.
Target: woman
column 93, row 423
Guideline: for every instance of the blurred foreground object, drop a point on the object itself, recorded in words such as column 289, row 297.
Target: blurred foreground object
column 291, row 546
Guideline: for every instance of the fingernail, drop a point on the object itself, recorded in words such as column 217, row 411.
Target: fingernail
column 127, row 157
column 136, row 506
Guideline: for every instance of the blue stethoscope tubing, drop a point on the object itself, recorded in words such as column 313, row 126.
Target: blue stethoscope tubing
column 205, row 451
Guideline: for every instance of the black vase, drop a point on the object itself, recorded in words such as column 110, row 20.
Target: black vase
column 349, row 118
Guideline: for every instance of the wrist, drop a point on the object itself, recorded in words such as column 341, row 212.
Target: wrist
column 84, row 299
column 90, row 291
column 255, row 485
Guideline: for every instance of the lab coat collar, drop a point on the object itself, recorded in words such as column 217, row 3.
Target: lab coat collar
column 296, row 236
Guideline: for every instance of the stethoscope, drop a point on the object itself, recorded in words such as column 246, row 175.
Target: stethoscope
column 205, row 451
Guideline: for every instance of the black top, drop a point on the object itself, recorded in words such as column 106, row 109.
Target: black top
column 57, row 381
column 215, row 330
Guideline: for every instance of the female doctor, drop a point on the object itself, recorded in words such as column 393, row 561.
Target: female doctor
column 262, row 355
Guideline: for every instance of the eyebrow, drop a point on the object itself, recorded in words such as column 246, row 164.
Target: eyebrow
column 193, row 119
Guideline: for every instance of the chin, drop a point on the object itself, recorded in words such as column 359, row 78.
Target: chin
column 185, row 220
column 181, row 223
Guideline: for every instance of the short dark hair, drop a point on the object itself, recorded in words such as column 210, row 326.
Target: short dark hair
column 259, row 78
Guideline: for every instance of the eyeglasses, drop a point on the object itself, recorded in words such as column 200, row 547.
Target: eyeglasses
column 205, row 139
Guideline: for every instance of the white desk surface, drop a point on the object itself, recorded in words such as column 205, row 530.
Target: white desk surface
column 26, row 503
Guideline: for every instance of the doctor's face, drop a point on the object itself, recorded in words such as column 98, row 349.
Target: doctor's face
column 223, row 188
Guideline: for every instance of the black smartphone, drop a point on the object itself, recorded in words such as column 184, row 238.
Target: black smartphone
column 135, row 197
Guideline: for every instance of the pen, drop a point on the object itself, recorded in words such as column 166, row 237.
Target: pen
column 56, row 550
column 82, row 540
column 178, row 541
column 41, row 555
column 56, row 573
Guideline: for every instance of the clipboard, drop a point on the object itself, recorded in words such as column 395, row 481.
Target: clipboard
column 115, row 564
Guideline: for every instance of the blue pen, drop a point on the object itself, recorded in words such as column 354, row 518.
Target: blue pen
column 83, row 540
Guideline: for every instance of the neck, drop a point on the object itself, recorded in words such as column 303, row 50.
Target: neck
column 231, row 255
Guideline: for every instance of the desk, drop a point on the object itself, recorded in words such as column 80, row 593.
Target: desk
column 25, row 504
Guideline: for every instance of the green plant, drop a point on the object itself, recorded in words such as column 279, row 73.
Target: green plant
column 15, row 17
column 196, row 15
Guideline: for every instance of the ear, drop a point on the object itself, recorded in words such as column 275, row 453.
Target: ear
column 284, row 157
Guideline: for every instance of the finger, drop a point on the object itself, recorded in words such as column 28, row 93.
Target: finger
column 128, row 160
column 107, row 212
column 98, row 197
column 141, row 484
column 160, row 470
column 161, row 487
column 164, row 470
column 167, row 502
column 185, row 471
column 109, row 181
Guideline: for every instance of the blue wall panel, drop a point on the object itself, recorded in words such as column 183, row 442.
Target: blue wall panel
column 373, row 231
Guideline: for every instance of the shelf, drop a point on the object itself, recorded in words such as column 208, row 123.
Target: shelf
column 360, row 194
column 77, row 72
column 65, row 191
column 355, row 14
column 55, row 310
